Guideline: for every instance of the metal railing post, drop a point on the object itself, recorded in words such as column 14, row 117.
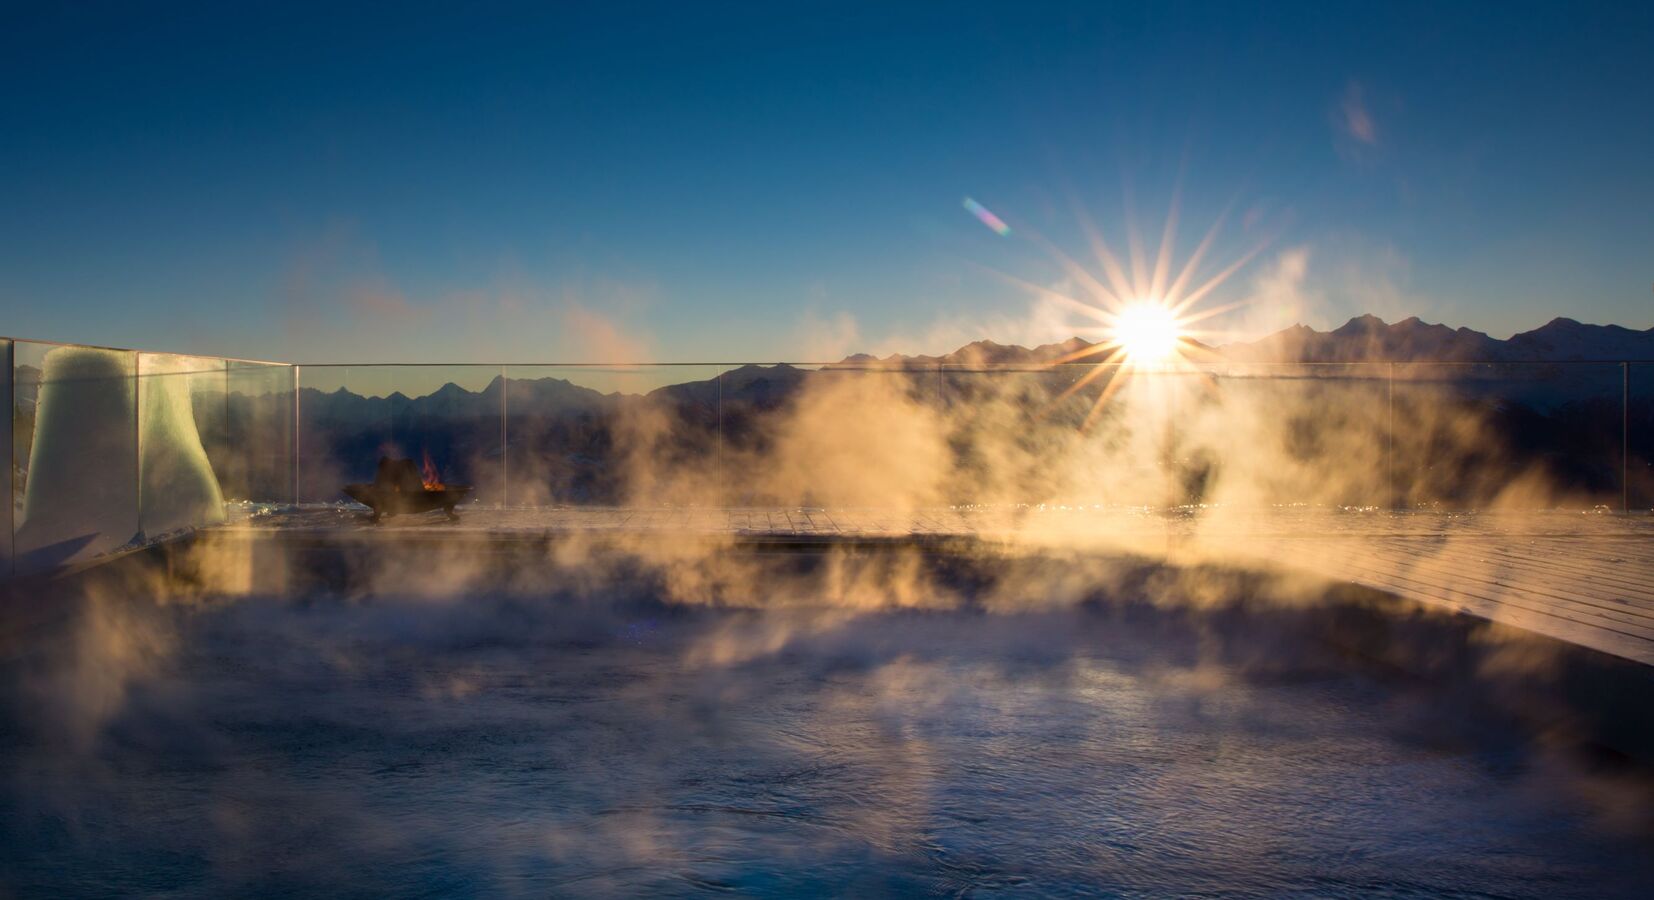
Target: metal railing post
column 505, row 444
column 138, row 440
column 10, row 452
column 1625, row 438
column 226, row 435
column 723, row 455
column 298, row 419
column 1390, row 441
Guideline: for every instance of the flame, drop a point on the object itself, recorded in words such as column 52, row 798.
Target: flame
column 429, row 474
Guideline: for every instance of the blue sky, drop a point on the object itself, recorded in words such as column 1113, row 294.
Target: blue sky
column 676, row 182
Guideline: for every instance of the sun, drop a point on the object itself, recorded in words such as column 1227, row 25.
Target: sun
column 1147, row 331
column 1143, row 316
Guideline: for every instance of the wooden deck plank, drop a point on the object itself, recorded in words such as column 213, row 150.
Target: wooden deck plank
column 1477, row 591
column 1624, row 582
column 1520, row 601
column 1438, row 578
column 1514, row 578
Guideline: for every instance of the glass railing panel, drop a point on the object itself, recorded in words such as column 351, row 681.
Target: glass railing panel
column 6, row 456
column 258, row 463
column 757, row 405
column 1638, row 437
column 181, row 401
column 1175, row 434
column 74, row 430
column 1508, row 435
column 323, row 420
column 1287, row 434
column 210, row 403
column 1445, row 454
column 445, row 416
column 627, row 435
column 1025, row 434
column 847, row 436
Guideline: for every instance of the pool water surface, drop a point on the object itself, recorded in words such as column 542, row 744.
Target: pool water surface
column 508, row 746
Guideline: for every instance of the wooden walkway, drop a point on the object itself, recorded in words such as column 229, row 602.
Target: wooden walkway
column 1585, row 579
column 1595, row 591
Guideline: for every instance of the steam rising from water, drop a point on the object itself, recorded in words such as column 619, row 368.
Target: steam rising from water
column 637, row 715
column 629, row 716
column 1245, row 437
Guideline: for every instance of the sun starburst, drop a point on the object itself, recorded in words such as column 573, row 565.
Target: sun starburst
column 1140, row 317
column 1147, row 332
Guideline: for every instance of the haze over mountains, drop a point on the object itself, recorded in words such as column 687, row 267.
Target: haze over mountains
column 568, row 438
column 1365, row 338
column 1362, row 339
column 575, row 432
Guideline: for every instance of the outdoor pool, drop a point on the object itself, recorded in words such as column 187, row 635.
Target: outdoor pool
column 615, row 744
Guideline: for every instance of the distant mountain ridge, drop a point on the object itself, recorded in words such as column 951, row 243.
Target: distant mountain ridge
column 566, row 441
column 1365, row 338
column 1370, row 339
column 977, row 353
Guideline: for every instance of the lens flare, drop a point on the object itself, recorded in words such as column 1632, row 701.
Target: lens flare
column 987, row 218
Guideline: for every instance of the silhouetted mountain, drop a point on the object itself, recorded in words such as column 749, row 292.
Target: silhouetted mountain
column 1361, row 339
column 565, row 438
column 1370, row 339
column 983, row 353
column 1566, row 339
column 1367, row 339
column 1364, row 338
column 761, row 385
column 550, row 396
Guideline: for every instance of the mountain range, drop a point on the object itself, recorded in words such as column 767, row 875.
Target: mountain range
column 746, row 389
column 1364, row 338
column 564, row 438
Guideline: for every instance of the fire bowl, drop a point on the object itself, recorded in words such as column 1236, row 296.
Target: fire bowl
column 389, row 501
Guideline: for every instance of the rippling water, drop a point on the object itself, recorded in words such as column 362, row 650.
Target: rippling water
column 508, row 747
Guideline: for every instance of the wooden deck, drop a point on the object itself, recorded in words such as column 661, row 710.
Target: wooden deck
column 1582, row 578
column 1596, row 591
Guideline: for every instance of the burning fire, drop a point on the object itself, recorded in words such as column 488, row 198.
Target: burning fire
column 429, row 474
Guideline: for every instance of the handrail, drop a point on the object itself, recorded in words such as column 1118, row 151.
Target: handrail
column 922, row 363
column 258, row 362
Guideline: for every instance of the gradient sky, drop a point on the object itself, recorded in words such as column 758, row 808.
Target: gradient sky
column 780, row 181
